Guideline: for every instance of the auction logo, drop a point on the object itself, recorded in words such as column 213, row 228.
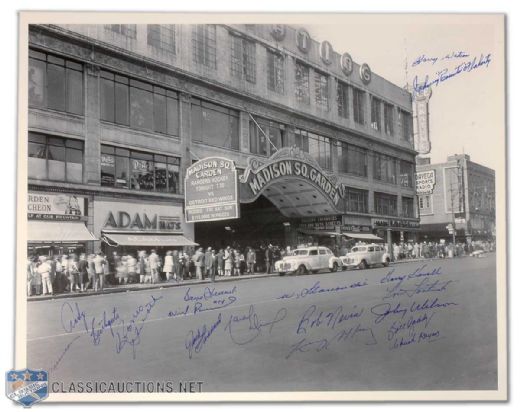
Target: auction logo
column 27, row 386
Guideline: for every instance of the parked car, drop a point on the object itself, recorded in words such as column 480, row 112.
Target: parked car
column 308, row 259
column 364, row 256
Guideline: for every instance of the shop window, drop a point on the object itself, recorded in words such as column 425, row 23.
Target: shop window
column 375, row 113
column 138, row 104
column 243, row 59
column 162, row 36
column 358, row 97
column 319, row 147
column 204, row 43
column 321, row 90
column 385, row 204
column 352, row 159
column 342, row 100
column 301, row 83
column 126, row 30
column 407, row 174
column 356, row 200
column 389, row 119
column 55, row 83
column 275, row 72
column 214, row 125
column 55, row 158
column 139, row 170
column 385, row 168
column 407, row 206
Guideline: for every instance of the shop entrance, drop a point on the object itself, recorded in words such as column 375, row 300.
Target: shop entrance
column 260, row 224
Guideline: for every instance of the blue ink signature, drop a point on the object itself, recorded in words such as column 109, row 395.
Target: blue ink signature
column 253, row 325
column 397, row 326
column 425, row 286
column 415, row 338
column 311, row 318
column 195, row 341
column 208, row 293
column 433, row 59
column 316, row 289
column 382, row 311
column 202, row 306
column 446, row 74
column 318, row 345
column 58, row 361
column 73, row 317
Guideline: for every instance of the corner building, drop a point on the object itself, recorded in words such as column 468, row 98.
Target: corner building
column 118, row 112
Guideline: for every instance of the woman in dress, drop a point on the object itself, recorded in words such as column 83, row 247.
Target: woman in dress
column 168, row 265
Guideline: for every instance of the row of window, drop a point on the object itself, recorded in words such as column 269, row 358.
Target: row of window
column 243, row 66
column 61, row 159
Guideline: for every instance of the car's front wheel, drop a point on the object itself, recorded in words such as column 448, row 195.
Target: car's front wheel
column 363, row 264
column 302, row 270
column 335, row 267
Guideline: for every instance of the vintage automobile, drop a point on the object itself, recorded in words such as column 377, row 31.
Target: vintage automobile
column 308, row 259
column 364, row 256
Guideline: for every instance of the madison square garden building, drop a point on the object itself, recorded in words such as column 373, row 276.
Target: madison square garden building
column 166, row 136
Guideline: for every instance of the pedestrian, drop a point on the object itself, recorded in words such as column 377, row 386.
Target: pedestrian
column 141, row 266
column 220, row 262
column 44, row 269
column 214, row 265
column 228, row 261
column 92, row 278
column 154, row 263
column 268, row 258
column 99, row 264
column 37, row 277
column 208, row 262
column 251, row 260
column 82, row 272
column 185, row 265
column 176, row 266
column 198, row 259
column 73, row 273
column 131, row 264
column 30, row 275
column 168, row 265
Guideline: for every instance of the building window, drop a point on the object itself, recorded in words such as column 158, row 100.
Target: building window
column 343, row 100
column 55, row 83
column 127, row 30
column 407, row 174
column 319, row 147
column 204, row 40
column 162, row 36
column 356, row 200
column 275, row 72
column 384, row 168
column 407, row 206
column 359, row 105
column 375, row 113
column 301, row 83
column 137, row 104
column 385, row 204
column 258, row 139
column 214, row 125
column 405, row 122
column 55, row 158
column 425, row 204
column 321, row 89
column 131, row 169
column 352, row 159
column 243, row 59
column 389, row 119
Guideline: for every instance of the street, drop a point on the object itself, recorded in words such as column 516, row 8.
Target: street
column 427, row 325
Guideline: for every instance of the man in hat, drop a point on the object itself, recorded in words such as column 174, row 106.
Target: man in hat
column 45, row 271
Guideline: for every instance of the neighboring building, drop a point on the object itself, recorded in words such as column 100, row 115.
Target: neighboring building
column 118, row 112
column 457, row 193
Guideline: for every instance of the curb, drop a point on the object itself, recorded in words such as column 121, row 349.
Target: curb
column 165, row 285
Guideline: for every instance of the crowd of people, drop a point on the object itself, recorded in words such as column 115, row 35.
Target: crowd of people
column 79, row 273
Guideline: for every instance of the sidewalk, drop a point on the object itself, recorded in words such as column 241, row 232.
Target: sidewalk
column 147, row 286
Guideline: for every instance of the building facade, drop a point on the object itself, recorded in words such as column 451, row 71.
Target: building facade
column 117, row 113
column 456, row 198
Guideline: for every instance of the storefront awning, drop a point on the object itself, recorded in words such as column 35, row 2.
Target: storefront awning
column 364, row 236
column 43, row 231
column 148, row 239
column 313, row 232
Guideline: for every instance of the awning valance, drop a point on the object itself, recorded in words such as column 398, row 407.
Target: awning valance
column 313, row 232
column 148, row 239
column 44, row 231
column 364, row 236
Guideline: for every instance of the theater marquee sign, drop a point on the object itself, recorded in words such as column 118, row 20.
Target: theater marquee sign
column 287, row 164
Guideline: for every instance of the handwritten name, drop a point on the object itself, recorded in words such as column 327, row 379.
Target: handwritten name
column 317, row 289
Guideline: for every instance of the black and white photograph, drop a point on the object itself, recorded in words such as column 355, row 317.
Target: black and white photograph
column 260, row 207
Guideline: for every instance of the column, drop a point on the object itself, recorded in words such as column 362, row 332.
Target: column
column 92, row 154
column 185, row 135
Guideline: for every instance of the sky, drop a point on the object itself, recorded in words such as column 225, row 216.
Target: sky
column 466, row 111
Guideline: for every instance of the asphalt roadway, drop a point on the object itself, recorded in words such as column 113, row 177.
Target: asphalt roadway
column 414, row 326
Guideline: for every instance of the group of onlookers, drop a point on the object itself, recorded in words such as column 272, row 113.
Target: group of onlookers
column 428, row 250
